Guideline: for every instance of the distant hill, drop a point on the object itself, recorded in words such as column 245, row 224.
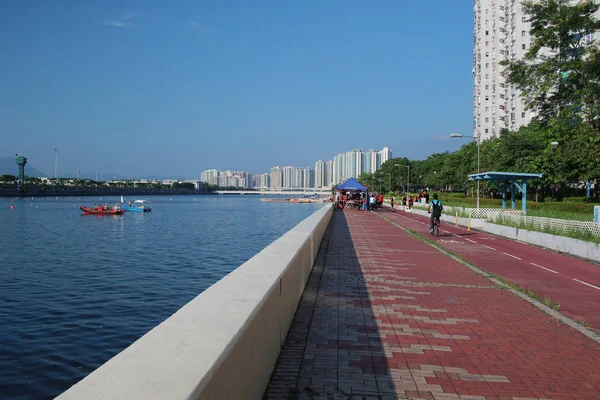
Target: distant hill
column 8, row 165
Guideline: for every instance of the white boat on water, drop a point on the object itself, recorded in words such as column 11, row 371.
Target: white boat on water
column 137, row 206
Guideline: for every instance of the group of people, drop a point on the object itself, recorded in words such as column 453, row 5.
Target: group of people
column 410, row 200
column 98, row 207
column 358, row 200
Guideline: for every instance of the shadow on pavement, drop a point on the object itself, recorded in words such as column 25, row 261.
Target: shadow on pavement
column 334, row 348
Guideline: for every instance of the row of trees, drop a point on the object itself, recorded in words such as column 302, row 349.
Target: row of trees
column 10, row 180
column 560, row 80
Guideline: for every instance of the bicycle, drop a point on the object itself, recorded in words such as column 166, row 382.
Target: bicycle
column 436, row 226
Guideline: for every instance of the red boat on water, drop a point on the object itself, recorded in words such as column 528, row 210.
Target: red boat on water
column 101, row 211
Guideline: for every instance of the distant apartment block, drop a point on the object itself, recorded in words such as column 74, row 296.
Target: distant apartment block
column 239, row 179
column 356, row 162
column 325, row 174
column 320, row 174
column 209, row 176
column 276, row 178
column 328, row 174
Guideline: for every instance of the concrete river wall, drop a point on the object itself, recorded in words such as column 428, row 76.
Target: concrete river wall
column 223, row 344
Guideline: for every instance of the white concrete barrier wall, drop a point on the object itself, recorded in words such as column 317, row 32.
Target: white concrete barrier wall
column 576, row 247
column 476, row 223
column 223, row 344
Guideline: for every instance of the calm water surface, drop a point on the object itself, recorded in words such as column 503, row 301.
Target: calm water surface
column 75, row 290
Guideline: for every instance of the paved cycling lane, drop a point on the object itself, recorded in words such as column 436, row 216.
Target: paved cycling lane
column 571, row 282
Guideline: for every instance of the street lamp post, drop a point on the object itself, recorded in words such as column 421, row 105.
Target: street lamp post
column 554, row 146
column 56, row 164
column 389, row 182
column 458, row 135
column 407, row 180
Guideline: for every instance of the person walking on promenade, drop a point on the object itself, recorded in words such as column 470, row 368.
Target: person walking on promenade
column 372, row 202
column 392, row 202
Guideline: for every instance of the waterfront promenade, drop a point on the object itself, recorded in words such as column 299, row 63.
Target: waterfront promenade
column 571, row 282
column 387, row 316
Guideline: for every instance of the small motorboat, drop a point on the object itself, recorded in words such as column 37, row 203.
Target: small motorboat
column 137, row 206
column 115, row 210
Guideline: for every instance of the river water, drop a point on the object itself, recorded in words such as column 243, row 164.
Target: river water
column 75, row 290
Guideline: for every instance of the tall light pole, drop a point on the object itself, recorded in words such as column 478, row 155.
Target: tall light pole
column 56, row 164
column 398, row 165
column 407, row 180
column 77, row 173
column 554, row 146
column 458, row 135
column 389, row 182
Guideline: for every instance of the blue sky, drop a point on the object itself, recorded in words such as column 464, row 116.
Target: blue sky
column 173, row 88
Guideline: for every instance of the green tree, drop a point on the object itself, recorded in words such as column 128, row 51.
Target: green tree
column 559, row 74
column 184, row 185
column 8, row 178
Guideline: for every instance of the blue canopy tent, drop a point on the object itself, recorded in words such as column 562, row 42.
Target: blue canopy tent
column 351, row 184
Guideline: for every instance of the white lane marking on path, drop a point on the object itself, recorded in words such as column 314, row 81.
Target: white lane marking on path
column 510, row 255
column 467, row 239
column 587, row 284
column 547, row 269
column 491, row 248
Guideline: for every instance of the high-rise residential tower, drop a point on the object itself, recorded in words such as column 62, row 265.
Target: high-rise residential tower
column 320, row 174
column 276, row 177
column 501, row 32
column 209, row 176
column 328, row 173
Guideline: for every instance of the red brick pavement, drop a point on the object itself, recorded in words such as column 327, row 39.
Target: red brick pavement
column 386, row 316
column 573, row 283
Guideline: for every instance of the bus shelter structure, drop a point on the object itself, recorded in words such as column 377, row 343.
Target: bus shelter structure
column 508, row 182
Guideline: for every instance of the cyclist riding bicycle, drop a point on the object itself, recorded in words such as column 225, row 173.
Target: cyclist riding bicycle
column 435, row 208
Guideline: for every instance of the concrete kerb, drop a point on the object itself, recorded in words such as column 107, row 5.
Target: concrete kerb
column 232, row 332
column 555, row 314
column 563, row 244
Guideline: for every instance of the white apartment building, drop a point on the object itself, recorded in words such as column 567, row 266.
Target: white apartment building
column 298, row 178
column 308, row 175
column 209, row 176
column 276, row 177
column 501, row 32
column 289, row 177
column 261, row 181
column 320, row 174
column 356, row 162
column 328, row 174
column 384, row 155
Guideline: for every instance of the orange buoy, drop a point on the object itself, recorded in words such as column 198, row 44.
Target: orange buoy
column 12, row 207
